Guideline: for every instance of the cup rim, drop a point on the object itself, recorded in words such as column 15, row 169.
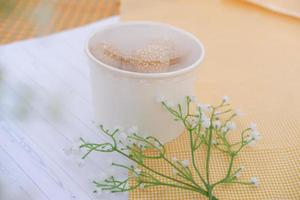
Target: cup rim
column 132, row 74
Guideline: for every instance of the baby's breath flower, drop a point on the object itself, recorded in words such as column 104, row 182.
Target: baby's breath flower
column 129, row 143
column 231, row 125
column 253, row 126
column 96, row 191
column 185, row 163
column 217, row 124
column 193, row 122
column 119, row 128
column 142, row 185
column 193, row 98
column 254, row 135
column 137, row 171
column 238, row 113
column 122, row 137
column 170, row 104
column 254, row 181
column 237, row 175
column 206, row 137
column 161, row 99
column 133, row 129
column 217, row 112
column 203, row 107
column 205, row 123
column 225, row 99
column 143, row 146
column 224, row 129
column 158, row 145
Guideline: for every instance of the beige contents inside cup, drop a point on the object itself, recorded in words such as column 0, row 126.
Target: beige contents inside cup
column 144, row 48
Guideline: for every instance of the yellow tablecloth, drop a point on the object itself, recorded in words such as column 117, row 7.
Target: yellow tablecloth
column 253, row 56
column 22, row 19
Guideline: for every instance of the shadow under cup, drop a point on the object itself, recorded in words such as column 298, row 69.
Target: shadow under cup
column 127, row 98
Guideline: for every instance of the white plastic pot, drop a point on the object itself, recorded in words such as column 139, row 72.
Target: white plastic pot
column 126, row 99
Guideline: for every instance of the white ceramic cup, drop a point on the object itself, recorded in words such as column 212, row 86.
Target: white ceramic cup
column 125, row 98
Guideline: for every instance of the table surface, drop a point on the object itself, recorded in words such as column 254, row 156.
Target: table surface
column 21, row 19
column 50, row 79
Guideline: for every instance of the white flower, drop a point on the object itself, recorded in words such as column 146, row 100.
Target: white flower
column 203, row 116
column 253, row 126
column 254, row 135
column 193, row 98
column 242, row 167
column 174, row 159
column 158, row 145
column 205, row 123
column 122, row 137
column 254, row 181
column 193, row 122
column 143, row 146
column 161, row 99
column 137, row 171
column 252, row 143
column 224, row 129
column 237, row 175
column 217, row 124
column 217, row 112
column 97, row 192
column 126, row 185
column 129, row 142
column 170, row 104
column 119, row 128
column 253, row 138
column 185, row 163
column 238, row 113
column 225, row 99
column 214, row 142
column 230, row 125
column 142, row 185
column 203, row 107
column 133, row 130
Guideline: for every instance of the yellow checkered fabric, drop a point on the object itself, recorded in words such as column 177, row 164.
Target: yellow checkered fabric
column 278, row 177
column 22, row 19
column 252, row 55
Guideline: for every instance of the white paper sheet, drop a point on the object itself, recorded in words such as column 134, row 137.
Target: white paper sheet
column 48, row 78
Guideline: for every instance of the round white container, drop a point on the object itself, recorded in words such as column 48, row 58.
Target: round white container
column 125, row 98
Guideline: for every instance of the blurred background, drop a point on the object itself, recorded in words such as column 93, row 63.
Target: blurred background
column 22, row 19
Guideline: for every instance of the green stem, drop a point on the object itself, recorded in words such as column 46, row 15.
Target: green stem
column 210, row 193
column 227, row 174
column 193, row 160
column 200, row 190
column 183, row 187
column 184, row 174
column 208, row 154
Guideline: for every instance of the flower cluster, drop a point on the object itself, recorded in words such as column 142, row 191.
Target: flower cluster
column 208, row 127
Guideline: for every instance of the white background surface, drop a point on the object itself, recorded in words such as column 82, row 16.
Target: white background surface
column 35, row 158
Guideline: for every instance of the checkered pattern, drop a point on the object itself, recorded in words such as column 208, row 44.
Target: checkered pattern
column 272, row 171
column 31, row 18
column 244, row 61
